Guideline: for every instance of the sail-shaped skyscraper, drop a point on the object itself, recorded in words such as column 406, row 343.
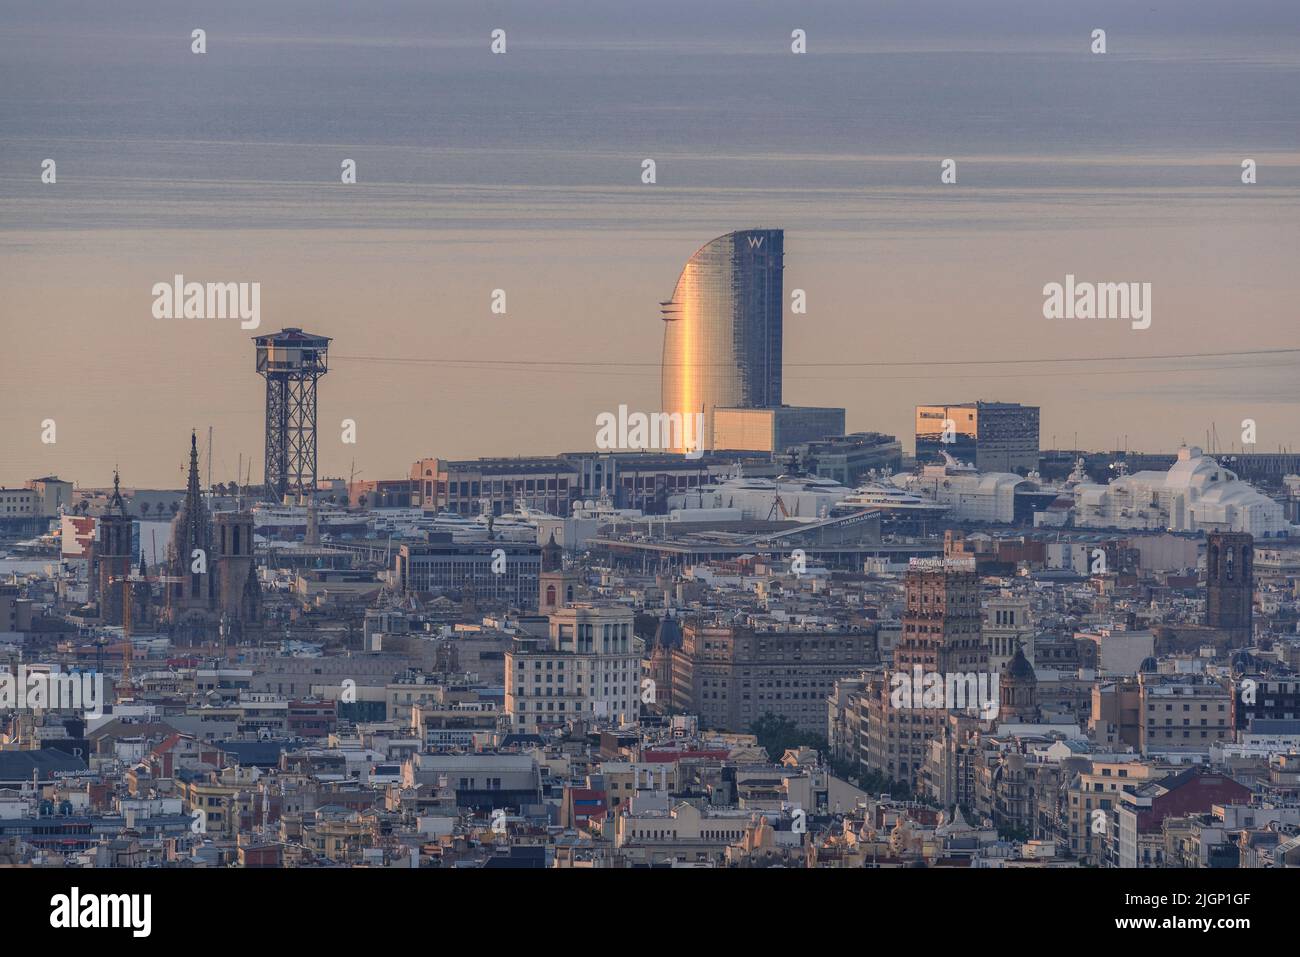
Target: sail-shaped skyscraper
column 723, row 330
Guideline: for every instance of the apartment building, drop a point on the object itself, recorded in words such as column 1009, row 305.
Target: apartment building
column 732, row 674
column 588, row 668
column 1182, row 712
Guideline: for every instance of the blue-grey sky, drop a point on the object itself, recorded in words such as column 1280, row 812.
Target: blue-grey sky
column 522, row 172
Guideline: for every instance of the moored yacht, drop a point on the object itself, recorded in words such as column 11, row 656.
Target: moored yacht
column 891, row 498
column 799, row 497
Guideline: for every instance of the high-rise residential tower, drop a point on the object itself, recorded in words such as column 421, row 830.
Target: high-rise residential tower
column 723, row 329
column 942, row 635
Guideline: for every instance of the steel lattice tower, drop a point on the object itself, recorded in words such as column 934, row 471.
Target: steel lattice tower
column 291, row 361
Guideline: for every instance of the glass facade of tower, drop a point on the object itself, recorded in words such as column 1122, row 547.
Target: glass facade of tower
column 992, row 436
column 722, row 330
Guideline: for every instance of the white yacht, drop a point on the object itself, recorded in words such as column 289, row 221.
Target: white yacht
column 49, row 544
column 518, row 526
column 290, row 521
column 807, row 498
column 891, row 498
column 603, row 511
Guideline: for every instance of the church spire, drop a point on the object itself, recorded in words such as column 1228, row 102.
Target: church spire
column 192, row 491
column 194, row 510
column 191, row 540
column 116, row 501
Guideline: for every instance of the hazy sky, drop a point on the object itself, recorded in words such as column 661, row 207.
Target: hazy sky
column 522, row 172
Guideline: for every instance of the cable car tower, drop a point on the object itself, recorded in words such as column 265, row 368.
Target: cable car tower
column 291, row 361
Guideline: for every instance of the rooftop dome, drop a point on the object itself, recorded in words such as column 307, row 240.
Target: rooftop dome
column 1019, row 666
column 668, row 634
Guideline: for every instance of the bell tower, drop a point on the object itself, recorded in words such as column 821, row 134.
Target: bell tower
column 1230, row 584
column 239, row 592
column 555, row 586
column 113, row 555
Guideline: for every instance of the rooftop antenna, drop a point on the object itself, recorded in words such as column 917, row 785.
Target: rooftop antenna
column 209, row 457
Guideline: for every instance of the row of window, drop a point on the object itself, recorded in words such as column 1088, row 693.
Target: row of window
column 471, row 489
column 550, row 706
column 1186, row 707
column 577, row 690
column 471, row 784
column 554, row 665
column 796, row 644
column 653, row 834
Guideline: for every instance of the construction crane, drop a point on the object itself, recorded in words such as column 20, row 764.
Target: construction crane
column 352, row 477
column 126, row 581
column 128, row 595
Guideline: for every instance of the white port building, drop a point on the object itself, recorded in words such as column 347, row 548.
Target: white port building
column 1197, row 494
column 971, row 495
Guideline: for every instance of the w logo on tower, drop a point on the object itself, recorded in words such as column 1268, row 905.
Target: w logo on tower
column 755, row 241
